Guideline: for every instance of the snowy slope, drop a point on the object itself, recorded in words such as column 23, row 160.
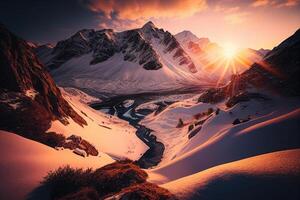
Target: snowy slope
column 268, row 176
column 81, row 96
column 116, row 76
column 24, row 163
column 217, row 140
column 104, row 131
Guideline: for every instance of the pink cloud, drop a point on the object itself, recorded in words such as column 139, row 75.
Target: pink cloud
column 236, row 18
column 258, row 3
column 134, row 9
column 224, row 9
column 275, row 3
column 288, row 3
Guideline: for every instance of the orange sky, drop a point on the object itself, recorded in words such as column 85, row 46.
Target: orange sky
column 254, row 27
column 243, row 23
column 248, row 23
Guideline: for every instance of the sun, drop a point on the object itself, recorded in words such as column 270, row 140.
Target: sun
column 229, row 51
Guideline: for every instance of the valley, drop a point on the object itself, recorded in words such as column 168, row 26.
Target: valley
column 125, row 107
column 147, row 114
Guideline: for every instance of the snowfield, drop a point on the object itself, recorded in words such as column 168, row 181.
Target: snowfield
column 122, row 77
column 273, row 126
column 259, row 157
column 24, row 163
column 268, row 176
column 104, row 131
column 81, row 96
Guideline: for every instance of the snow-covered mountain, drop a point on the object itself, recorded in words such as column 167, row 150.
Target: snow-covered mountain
column 133, row 61
column 243, row 135
column 188, row 39
column 31, row 105
column 209, row 56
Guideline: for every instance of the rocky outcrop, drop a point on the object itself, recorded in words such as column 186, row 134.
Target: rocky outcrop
column 29, row 98
column 245, row 96
column 76, row 142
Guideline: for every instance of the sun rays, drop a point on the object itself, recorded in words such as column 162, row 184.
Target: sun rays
column 229, row 51
column 229, row 60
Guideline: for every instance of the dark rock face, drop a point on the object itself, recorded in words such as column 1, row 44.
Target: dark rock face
column 279, row 71
column 22, row 115
column 137, row 49
column 103, row 45
column 75, row 46
column 244, row 96
column 213, row 95
column 29, row 98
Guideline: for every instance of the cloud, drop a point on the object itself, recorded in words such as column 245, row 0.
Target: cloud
column 288, row 3
column 275, row 3
column 118, row 24
column 236, row 18
column 224, row 9
column 135, row 9
column 258, row 3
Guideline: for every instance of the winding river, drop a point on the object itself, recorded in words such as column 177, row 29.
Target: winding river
column 125, row 108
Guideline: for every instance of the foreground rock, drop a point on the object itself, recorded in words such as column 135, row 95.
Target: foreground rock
column 29, row 98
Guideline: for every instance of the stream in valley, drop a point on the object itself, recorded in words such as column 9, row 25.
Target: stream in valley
column 126, row 107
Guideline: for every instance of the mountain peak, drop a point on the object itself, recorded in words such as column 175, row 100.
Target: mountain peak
column 186, row 36
column 187, row 33
column 149, row 25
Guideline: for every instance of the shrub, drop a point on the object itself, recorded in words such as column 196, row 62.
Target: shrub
column 209, row 111
column 145, row 191
column 217, row 111
column 236, row 121
column 199, row 115
column 191, row 127
column 86, row 193
column 180, row 123
column 115, row 176
column 66, row 181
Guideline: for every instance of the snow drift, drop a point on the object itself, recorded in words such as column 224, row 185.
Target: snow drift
column 268, row 176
